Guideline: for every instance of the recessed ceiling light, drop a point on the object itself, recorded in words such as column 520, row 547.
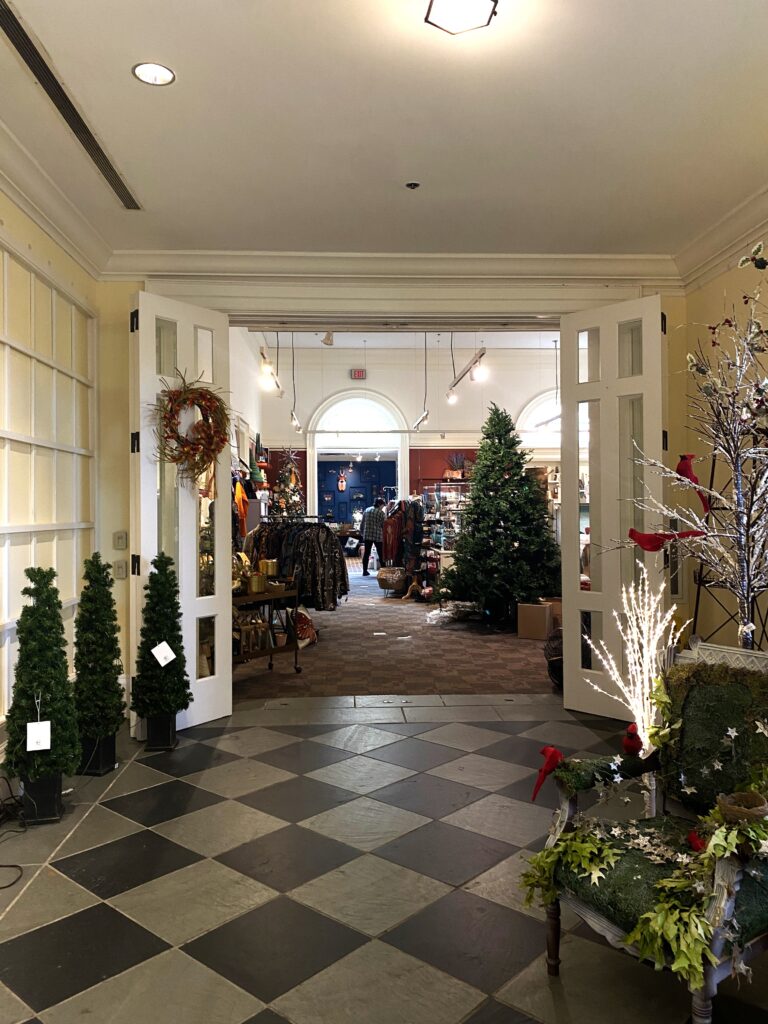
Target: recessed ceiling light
column 154, row 74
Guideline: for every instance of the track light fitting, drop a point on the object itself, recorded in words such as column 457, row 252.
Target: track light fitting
column 422, row 420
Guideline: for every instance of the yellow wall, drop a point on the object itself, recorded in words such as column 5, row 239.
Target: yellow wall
column 110, row 302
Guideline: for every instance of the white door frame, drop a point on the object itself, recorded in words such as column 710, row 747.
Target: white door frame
column 400, row 441
column 611, row 470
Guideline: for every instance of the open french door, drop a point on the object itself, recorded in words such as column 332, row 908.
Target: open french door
column 189, row 522
column 612, row 406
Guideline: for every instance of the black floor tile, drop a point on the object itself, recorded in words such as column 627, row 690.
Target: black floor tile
column 496, row 1013
column 429, row 795
column 161, row 803
column 270, row 950
column 289, row 857
column 297, row 799
column 510, row 728
column 409, row 728
column 305, row 731
column 116, row 867
column 610, row 747
column 267, row 1017
column 210, row 731
column 473, row 939
column 449, row 854
column 548, row 795
column 55, row 962
column 303, row 757
column 416, row 754
column 519, row 750
column 195, row 757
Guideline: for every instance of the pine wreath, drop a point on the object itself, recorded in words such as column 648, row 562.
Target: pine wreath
column 195, row 451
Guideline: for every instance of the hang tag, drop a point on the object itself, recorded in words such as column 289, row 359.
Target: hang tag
column 38, row 735
column 163, row 653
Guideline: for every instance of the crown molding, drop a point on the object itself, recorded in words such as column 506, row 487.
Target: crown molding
column 719, row 248
column 642, row 270
column 45, row 204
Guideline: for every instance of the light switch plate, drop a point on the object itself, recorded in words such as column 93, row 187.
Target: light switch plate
column 120, row 540
column 120, row 569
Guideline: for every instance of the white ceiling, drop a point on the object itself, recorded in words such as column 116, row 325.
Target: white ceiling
column 462, row 340
column 568, row 126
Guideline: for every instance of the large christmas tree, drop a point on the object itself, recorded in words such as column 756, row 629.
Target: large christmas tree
column 41, row 690
column 287, row 501
column 98, row 693
column 161, row 689
column 505, row 552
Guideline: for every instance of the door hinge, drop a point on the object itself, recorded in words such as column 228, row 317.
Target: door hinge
column 135, row 565
column 135, row 442
column 663, row 323
column 134, row 321
column 664, row 441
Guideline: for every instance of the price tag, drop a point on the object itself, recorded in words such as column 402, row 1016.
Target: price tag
column 38, row 735
column 163, row 653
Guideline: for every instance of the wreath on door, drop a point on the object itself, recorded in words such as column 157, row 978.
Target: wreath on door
column 195, row 451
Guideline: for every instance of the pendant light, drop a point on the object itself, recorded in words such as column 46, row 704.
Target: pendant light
column 294, row 418
column 450, row 395
column 457, row 16
column 424, row 418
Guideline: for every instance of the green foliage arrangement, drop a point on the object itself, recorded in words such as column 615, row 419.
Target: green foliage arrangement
column 506, row 552
column 98, row 693
column 161, row 690
column 41, row 688
column 581, row 851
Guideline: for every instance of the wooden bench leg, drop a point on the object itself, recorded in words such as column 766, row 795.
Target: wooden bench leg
column 701, row 1007
column 553, row 939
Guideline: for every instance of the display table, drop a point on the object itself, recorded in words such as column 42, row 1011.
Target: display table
column 277, row 615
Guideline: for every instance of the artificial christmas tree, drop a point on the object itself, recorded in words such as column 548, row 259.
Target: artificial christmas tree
column 287, row 501
column 161, row 691
column 42, row 693
column 505, row 553
column 98, row 693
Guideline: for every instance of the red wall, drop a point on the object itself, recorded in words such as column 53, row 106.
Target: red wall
column 429, row 464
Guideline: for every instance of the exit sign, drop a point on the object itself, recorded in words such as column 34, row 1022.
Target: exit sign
column 357, row 374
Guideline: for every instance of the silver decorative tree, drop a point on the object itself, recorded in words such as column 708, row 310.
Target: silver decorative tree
column 729, row 411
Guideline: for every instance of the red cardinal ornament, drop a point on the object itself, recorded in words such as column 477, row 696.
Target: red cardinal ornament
column 685, row 468
column 696, row 843
column 632, row 743
column 552, row 758
column 656, row 541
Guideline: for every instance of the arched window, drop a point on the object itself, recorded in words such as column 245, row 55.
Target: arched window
column 357, row 424
column 540, row 424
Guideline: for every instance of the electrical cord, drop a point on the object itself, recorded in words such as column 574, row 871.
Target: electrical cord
column 14, row 803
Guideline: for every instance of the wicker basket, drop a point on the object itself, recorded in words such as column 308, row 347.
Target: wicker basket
column 742, row 807
column 273, row 587
column 391, row 578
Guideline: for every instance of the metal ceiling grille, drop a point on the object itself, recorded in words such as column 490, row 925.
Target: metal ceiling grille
column 36, row 63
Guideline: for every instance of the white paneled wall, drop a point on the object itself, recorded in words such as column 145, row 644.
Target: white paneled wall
column 47, row 458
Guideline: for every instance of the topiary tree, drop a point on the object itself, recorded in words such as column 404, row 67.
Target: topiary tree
column 41, row 689
column 98, row 693
column 157, row 689
column 506, row 552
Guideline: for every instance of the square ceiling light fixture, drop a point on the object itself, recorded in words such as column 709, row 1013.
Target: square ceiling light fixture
column 457, row 16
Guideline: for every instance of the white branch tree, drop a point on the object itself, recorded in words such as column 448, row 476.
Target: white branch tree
column 729, row 411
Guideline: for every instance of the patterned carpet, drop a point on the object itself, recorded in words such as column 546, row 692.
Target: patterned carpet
column 377, row 644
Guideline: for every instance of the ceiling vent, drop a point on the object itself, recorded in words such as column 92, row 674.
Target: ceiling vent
column 36, row 63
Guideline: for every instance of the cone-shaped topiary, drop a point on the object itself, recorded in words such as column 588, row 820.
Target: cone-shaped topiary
column 157, row 689
column 41, row 689
column 506, row 552
column 98, row 693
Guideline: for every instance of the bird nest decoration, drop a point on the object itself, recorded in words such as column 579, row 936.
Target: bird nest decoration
column 197, row 449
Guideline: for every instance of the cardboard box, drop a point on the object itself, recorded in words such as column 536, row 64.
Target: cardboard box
column 557, row 612
column 534, row 621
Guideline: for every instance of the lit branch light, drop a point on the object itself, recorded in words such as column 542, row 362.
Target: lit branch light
column 648, row 633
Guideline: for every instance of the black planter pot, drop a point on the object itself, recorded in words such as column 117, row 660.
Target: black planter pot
column 161, row 732
column 98, row 757
column 42, row 803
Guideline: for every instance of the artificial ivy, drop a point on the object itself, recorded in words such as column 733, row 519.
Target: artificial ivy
column 584, row 852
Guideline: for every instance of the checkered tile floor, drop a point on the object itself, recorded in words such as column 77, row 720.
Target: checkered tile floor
column 338, row 873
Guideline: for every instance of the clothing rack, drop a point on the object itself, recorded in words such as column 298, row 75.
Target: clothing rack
column 309, row 550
